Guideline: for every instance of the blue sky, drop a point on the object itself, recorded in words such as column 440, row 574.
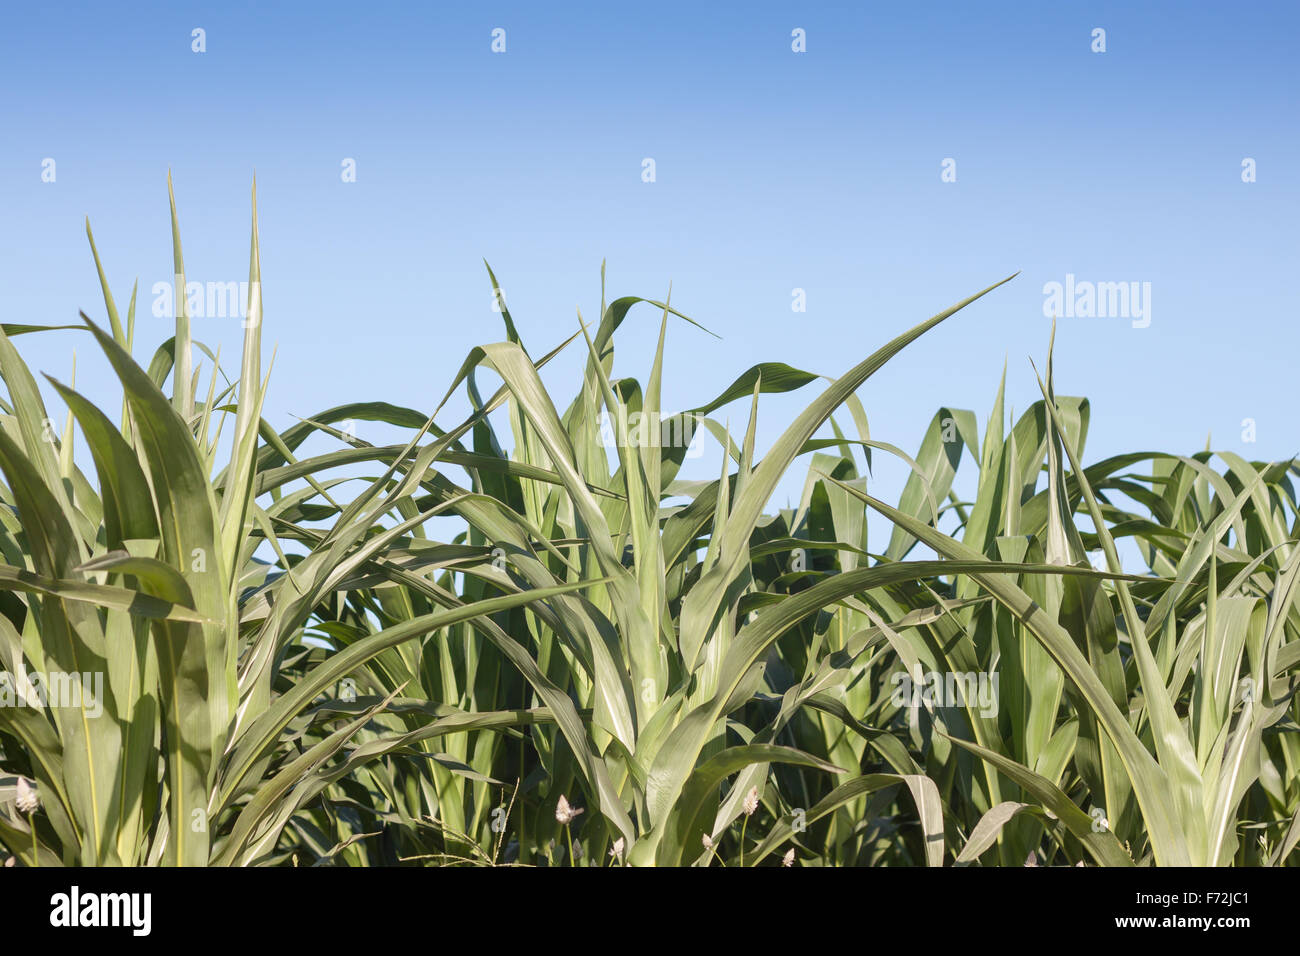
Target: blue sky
column 775, row 170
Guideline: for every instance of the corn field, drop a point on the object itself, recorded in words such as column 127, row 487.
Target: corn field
column 542, row 647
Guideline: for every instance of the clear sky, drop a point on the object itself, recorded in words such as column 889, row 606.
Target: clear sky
column 774, row 170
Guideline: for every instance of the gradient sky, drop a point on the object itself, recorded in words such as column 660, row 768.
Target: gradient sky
column 775, row 170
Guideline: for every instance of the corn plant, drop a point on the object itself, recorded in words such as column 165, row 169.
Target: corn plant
column 526, row 638
column 143, row 587
column 672, row 643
